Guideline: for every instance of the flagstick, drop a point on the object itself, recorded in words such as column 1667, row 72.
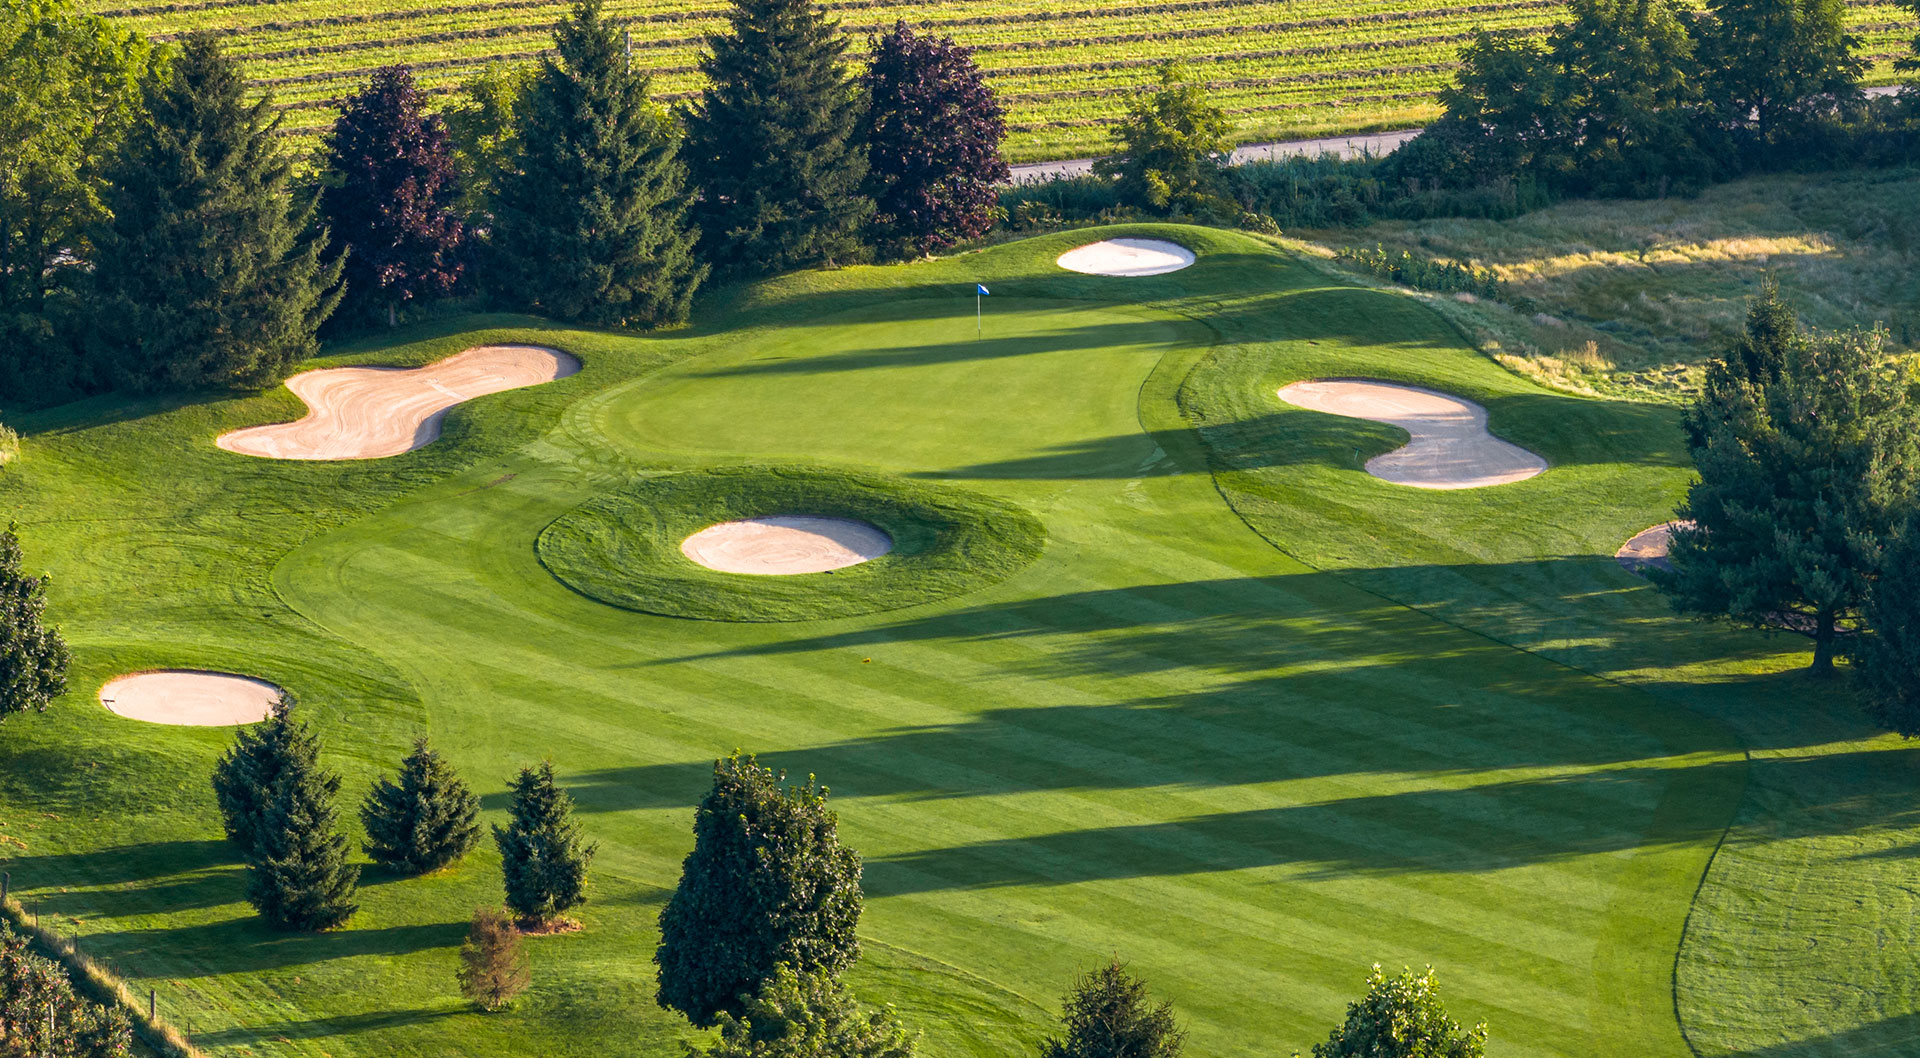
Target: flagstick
column 979, row 328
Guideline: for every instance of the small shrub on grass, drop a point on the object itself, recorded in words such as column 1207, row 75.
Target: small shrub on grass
column 493, row 964
column 33, row 656
column 542, row 857
column 9, row 445
column 1107, row 1014
column 1402, row 1017
column 425, row 821
column 807, row 1016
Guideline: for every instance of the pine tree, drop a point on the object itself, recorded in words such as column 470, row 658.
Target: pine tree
column 1802, row 480
column 1107, row 1014
column 390, row 203
column 246, row 776
column 424, row 822
column 767, row 884
column 1173, row 144
column 771, row 143
column 208, row 273
column 1886, row 655
column 33, row 656
column 298, row 876
column 592, row 226
column 933, row 130
column 808, row 1016
column 493, row 965
column 1401, row 1017
column 542, row 856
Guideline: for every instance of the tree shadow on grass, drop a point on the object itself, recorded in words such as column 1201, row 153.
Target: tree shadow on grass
column 148, row 877
column 1895, row 1037
column 321, row 1028
column 247, row 945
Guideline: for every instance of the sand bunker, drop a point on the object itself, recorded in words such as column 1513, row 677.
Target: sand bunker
column 1451, row 448
column 190, row 698
column 370, row 412
column 1127, row 257
column 786, row 544
column 1648, row 548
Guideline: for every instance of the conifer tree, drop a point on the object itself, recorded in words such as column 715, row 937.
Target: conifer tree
column 1886, row 655
column 249, row 772
column 808, row 1015
column 425, row 821
column 493, row 965
column 390, row 204
column 767, row 884
column 1401, row 1017
column 208, row 272
column 298, row 876
column 771, row 143
column 33, row 656
column 1756, row 358
column 933, row 130
column 1802, row 480
column 1107, row 1014
column 592, row 225
column 542, row 856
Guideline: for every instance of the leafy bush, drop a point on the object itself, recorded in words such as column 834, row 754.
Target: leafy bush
column 1401, row 1017
column 40, row 1014
column 1422, row 273
column 493, row 966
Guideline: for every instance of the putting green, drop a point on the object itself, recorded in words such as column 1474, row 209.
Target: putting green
column 1252, row 719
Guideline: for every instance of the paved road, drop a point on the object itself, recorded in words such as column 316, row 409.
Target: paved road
column 1344, row 146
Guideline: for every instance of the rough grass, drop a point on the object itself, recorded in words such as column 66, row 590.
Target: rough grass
column 623, row 548
column 1253, row 720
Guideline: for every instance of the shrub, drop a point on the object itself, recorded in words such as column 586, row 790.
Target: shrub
column 1401, row 1017
column 33, row 656
column 807, row 1016
column 41, row 1016
column 493, row 965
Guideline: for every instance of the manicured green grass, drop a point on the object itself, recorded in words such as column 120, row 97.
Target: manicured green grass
column 1252, row 720
column 623, row 547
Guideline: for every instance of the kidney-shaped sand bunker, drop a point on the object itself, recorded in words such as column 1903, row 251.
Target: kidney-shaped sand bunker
column 701, row 543
column 190, row 697
column 1127, row 258
column 1450, row 446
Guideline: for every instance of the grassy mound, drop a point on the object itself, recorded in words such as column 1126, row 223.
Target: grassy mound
column 624, row 548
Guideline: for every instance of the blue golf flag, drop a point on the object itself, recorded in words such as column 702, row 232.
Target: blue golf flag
column 981, row 289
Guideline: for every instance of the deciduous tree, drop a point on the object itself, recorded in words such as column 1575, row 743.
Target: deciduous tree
column 1773, row 64
column 591, row 223
column 493, row 964
column 933, row 129
column 1108, row 1014
column 298, row 876
column 771, row 142
column 33, row 656
column 767, row 884
column 1401, row 1017
column 425, row 821
column 208, row 273
column 1172, row 145
column 391, row 198
column 542, row 857
column 808, row 1015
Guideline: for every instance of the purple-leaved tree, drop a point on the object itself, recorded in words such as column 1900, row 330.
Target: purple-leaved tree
column 933, row 131
column 392, row 198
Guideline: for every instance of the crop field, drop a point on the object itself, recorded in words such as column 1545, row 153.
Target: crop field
column 1227, row 705
column 1064, row 71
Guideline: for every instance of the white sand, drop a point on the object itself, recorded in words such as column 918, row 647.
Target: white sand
column 1648, row 548
column 1450, row 449
column 190, row 698
column 370, row 412
column 785, row 544
column 1127, row 257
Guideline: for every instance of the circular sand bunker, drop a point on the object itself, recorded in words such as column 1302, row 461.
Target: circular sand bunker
column 1127, row 257
column 1648, row 549
column 190, row 698
column 676, row 544
column 373, row 412
column 786, row 544
column 1450, row 446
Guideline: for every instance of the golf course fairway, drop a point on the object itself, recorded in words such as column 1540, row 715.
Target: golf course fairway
column 1238, row 712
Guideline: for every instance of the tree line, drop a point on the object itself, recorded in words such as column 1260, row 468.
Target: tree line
column 154, row 234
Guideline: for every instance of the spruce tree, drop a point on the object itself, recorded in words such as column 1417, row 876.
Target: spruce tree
column 298, row 876
column 771, row 143
column 542, row 857
column 208, row 272
column 390, row 203
column 1107, row 1014
column 1756, row 358
column 425, row 821
column 1401, row 1017
column 249, row 772
column 933, row 130
column 808, row 1015
column 1886, row 655
column 1802, row 480
column 33, row 656
column 592, row 225
column 767, row 884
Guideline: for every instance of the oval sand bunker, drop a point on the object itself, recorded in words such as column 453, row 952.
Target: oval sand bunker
column 785, row 544
column 370, row 412
column 1127, row 257
column 1450, row 449
column 190, row 698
